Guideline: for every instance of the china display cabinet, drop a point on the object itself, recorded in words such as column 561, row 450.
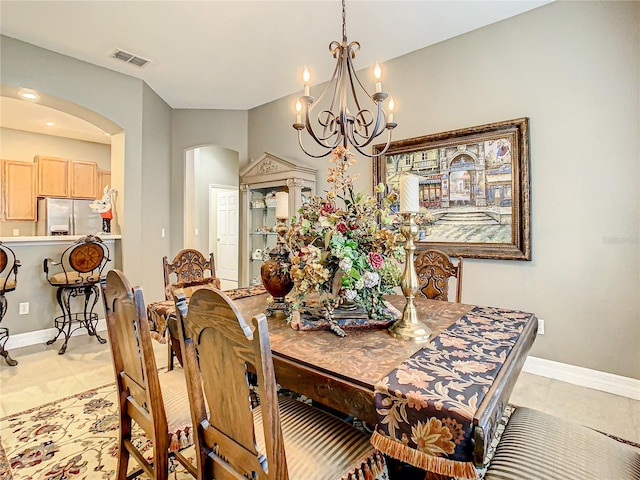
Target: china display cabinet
column 259, row 182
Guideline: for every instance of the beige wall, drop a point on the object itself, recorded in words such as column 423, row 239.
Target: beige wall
column 24, row 146
column 573, row 68
column 112, row 95
column 155, row 195
column 195, row 128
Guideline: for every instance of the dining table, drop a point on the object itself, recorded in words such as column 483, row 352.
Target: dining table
column 434, row 404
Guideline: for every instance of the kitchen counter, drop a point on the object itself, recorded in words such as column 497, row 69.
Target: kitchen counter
column 51, row 239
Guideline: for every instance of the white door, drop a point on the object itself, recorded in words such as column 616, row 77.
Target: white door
column 227, row 236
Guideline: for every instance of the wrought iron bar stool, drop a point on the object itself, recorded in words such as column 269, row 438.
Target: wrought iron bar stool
column 8, row 282
column 77, row 274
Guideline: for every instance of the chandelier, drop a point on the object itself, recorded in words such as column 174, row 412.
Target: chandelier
column 341, row 119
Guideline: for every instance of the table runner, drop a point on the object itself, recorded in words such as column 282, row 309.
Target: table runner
column 159, row 313
column 426, row 406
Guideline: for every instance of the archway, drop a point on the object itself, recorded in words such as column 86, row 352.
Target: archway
column 211, row 225
column 101, row 123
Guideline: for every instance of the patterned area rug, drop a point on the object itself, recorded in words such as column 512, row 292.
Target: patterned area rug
column 74, row 438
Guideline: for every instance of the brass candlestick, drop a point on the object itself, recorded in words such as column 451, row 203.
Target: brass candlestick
column 275, row 272
column 409, row 327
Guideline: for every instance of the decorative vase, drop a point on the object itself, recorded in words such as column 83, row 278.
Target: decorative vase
column 275, row 274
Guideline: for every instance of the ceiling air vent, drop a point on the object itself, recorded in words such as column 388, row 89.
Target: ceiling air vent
column 129, row 58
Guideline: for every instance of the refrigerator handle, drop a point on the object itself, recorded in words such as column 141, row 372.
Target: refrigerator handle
column 72, row 226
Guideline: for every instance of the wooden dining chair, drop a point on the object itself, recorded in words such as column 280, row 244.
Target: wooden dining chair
column 281, row 438
column 434, row 268
column 187, row 272
column 157, row 403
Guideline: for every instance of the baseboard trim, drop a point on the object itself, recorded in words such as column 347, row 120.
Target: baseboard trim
column 585, row 377
column 42, row 336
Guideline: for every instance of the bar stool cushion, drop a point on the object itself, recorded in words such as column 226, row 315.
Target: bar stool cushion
column 74, row 279
column 537, row 446
column 7, row 284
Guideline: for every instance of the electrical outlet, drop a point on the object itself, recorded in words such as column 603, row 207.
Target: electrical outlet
column 162, row 233
column 196, row 231
column 16, row 232
column 540, row 326
column 24, row 308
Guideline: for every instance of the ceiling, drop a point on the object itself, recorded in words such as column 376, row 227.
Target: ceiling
column 240, row 54
column 31, row 117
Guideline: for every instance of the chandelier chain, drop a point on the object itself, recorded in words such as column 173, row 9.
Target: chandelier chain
column 344, row 21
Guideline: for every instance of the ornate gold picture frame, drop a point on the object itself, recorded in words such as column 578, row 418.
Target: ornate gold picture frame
column 474, row 188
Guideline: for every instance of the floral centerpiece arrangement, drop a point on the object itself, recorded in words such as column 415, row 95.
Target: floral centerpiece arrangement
column 339, row 249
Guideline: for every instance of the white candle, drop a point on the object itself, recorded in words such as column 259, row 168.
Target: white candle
column 306, row 78
column 298, row 110
column 377, row 72
column 282, row 205
column 409, row 201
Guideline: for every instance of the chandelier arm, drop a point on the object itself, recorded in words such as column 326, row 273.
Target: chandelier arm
column 352, row 75
column 325, row 137
column 374, row 155
column 305, row 150
column 377, row 130
column 379, row 127
column 323, row 140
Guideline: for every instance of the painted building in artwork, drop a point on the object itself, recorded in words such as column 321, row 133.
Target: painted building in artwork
column 470, row 175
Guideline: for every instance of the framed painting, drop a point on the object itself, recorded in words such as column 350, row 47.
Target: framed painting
column 473, row 188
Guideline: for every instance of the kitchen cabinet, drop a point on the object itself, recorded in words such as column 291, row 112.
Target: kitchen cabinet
column 82, row 180
column 104, row 180
column 259, row 182
column 18, row 190
column 64, row 178
column 53, row 176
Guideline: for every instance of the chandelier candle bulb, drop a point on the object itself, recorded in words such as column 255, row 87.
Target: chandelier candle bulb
column 392, row 105
column 409, row 201
column 306, row 77
column 298, row 110
column 282, row 205
column 377, row 72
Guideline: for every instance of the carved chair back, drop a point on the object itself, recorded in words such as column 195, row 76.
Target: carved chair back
column 214, row 330
column 80, row 264
column 8, row 269
column 434, row 269
column 139, row 387
column 188, row 269
column 236, row 439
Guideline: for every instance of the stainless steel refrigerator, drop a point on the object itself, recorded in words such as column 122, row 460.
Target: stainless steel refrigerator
column 63, row 216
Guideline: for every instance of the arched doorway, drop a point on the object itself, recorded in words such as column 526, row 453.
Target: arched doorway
column 211, row 214
column 460, row 188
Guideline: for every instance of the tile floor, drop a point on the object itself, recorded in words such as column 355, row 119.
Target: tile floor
column 42, row 376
